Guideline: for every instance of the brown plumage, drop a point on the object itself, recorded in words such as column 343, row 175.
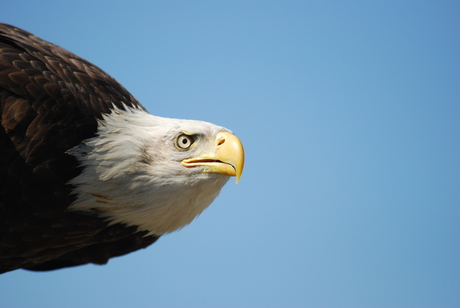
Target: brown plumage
column 50, row 100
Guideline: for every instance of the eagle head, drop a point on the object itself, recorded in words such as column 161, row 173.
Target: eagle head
column 152, row 172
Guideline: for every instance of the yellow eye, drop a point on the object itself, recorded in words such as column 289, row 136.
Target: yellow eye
column 184, row 141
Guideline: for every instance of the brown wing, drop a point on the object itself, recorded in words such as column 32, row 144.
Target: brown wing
column 50, row 100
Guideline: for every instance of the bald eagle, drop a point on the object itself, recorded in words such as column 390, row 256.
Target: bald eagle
column 86, row 172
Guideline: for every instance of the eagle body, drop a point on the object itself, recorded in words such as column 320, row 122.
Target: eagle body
column 86, row 172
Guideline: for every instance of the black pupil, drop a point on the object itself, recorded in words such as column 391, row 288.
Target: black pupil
column 184, row 141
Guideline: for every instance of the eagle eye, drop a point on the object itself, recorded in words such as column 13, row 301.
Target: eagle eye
column 184, row 141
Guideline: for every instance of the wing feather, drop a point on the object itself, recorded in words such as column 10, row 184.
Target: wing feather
column 50, row 100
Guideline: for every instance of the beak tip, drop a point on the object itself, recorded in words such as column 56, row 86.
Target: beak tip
column 238, row 176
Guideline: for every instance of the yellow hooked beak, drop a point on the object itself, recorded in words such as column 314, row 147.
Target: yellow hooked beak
column 227, row 157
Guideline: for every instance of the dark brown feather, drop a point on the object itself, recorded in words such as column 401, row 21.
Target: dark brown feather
column 50, row 100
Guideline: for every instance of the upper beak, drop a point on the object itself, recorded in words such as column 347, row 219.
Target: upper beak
column 226, row 158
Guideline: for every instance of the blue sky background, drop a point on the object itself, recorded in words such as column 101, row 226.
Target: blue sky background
column 349, row 113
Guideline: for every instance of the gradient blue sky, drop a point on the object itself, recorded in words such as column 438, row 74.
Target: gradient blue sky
column 350, row 116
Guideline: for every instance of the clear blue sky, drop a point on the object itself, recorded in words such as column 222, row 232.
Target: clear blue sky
column 350, row 116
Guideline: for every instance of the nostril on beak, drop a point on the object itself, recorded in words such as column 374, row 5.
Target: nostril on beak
column 221, row 142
